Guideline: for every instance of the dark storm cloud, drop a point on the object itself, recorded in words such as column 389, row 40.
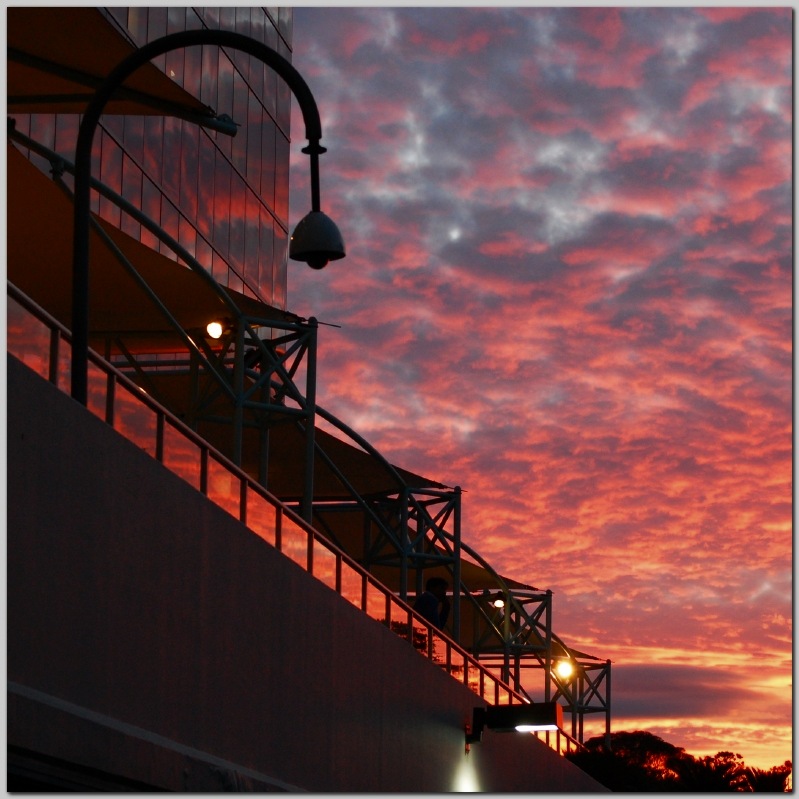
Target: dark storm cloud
column 679, row 691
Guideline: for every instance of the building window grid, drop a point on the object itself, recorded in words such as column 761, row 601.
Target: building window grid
column 128, row 179
column 253, row 175
column 253, row 169
column 271, row 26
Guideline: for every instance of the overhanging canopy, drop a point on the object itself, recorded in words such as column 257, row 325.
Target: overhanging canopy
column 39, row 255
column 39, row 225
column 58, row 56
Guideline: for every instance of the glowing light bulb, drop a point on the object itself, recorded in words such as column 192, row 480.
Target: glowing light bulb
column 214, row 329
column 535, row 727
column 499, row 602
column 564, row 669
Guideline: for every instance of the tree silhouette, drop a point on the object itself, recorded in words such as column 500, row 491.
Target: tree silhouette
column 641, row 762
column 637, row 761
column 775, row 780
column 723, row 771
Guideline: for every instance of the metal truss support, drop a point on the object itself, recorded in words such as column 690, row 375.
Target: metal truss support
column 412, row 530
column 251, row 378
column 415, row 533
column 521, row 627
column 515, row 639
column 586, row 692
column 248, row 378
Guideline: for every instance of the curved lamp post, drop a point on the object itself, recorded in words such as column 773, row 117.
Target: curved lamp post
column 316, row 239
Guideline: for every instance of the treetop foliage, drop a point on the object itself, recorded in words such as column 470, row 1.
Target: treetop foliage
column 641, row 762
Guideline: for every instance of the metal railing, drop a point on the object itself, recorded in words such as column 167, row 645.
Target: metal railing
column 560, row 741
column 450, row 543
column 42, row 343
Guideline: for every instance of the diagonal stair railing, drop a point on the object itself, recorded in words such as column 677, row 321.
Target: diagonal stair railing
column 258, row 379
column 41, row 342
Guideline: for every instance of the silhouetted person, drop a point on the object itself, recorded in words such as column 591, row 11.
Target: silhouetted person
column 433, row 603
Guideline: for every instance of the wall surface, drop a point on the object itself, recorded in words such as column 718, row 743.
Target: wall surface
column 151, row 636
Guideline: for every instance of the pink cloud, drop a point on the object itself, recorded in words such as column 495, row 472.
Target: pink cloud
column 470, row 44
column 614, row 396
column 511, row 245
column 721, row 15
column 604, row 25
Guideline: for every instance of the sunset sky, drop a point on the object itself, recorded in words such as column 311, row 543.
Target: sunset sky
column 568, row 289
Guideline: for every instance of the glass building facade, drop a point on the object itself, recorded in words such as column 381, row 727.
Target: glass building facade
column 225, row 199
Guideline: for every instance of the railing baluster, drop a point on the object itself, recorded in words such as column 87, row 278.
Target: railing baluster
column 110, row 398
column 204, row 471
column 55, row 338
column 487, row 686
column 243, row 501
column 159, row 437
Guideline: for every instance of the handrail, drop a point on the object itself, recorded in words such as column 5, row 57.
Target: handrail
column 62, row 164
column 110, row 399
column 512, row 601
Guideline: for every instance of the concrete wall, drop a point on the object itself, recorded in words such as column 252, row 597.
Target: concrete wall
column 152, row 636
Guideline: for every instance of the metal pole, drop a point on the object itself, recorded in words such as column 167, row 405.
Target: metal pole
column 548, row 657
column 83, row 153
column 314, row 157
column 238, row 391
column 456, row 595
column 264, row 428
column 607, row 705
column 310, row 422
column 506, row 634
column 404, row 539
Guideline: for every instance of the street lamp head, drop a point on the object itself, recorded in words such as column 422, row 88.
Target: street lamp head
column 316, row 240
column 215, row 329
column 564, row 668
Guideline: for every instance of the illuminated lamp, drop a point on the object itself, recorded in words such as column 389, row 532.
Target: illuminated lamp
column 215, row 329
column 316, row 240
column 497, row 601
column 535, row 717
column 564, row 669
